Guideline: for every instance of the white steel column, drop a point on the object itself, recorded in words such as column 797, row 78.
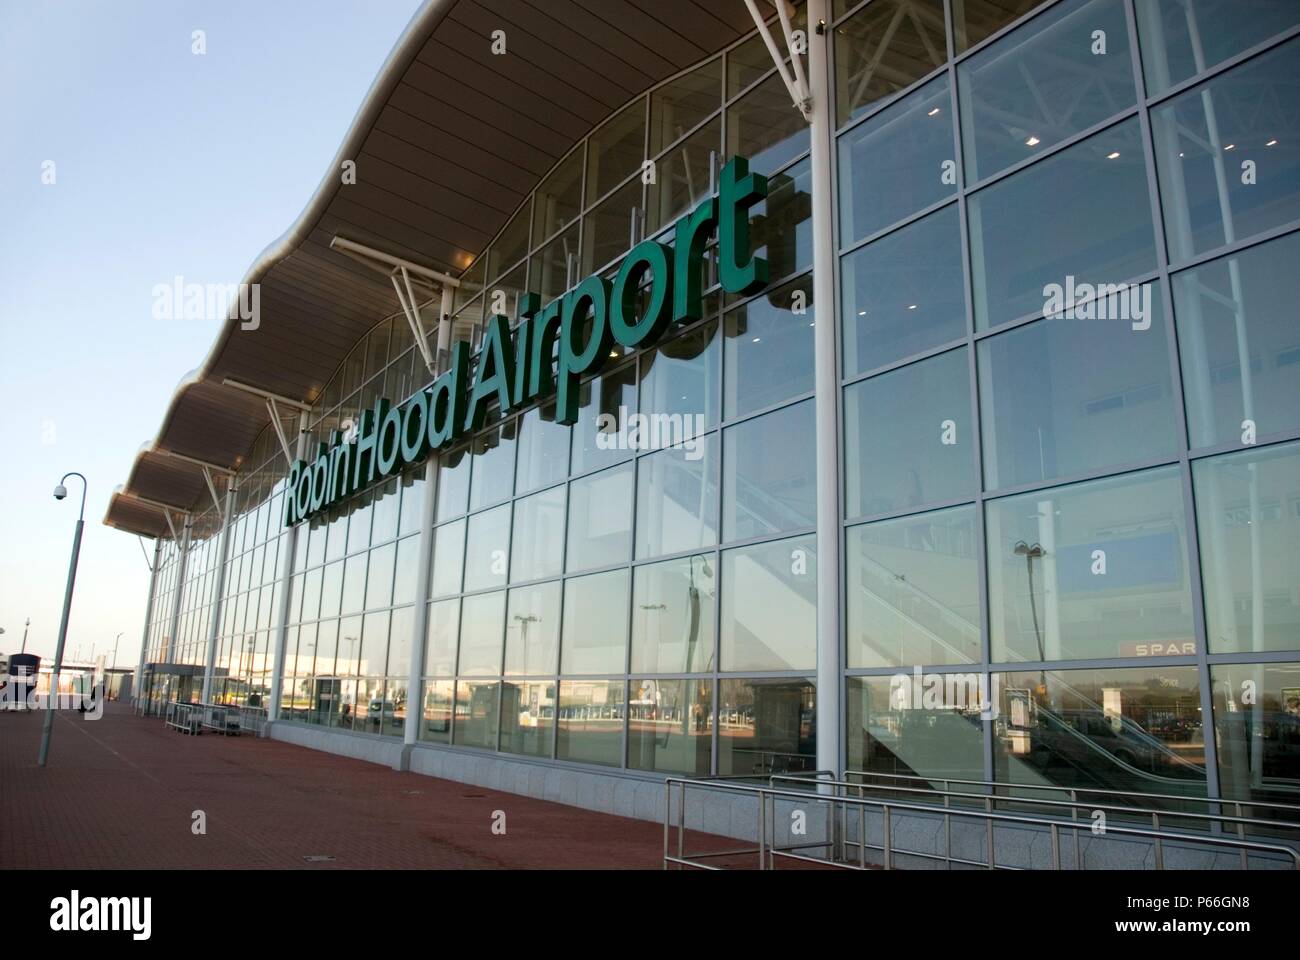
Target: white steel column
column 286, row 574
column 137, row 687
column 830, row 718
column 174, row 623
column 415, row 669
column 219, row 589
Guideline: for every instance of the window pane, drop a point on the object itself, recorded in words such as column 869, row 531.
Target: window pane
column 543, row 450
column 908, row 437
column 453, row 483
column 769, row 474
column 768, row 351
column 405, row 574
column 1256, row 738
column 1242, row 304
column 537, row 547
column 976, row 20
column 682, row 178
column 913, row 590
column 354, row 584
column 412, row 501
column 600, row 519
column 374, row 644
column 888, row 45
column 482, row 625
column 1041, row 419
column 533, row 630
column 527, row 718
column 673, row 606
column 435, row 725
column 767, row 726
column 603, row 395
column 349, row 646
column 769, row 606
column 1181, row 38
column 448, row 554
column 677, row 499
column 595, row 624
column 379, row 581
column 494, row 465
column 1043, row 83
column 683, row 103
column 399, row 643
column 1247, row 508
column 607, row 230
column 903, row 293
column 487, row 548
column 556, row 265
column 894, row 164
column 1131, row 730
column 781, row 225
column 893, row 730
column 1091, row 570
column 387, row 512
column 765, row 126
column 750, row 60
column 511, row 245
column 615, row 150
column 670, row 726
column 558, row 199
column 590, row 726
column 1206, row 137
column 477, row 710
column 681, row 377
column 440, row 644
column 1015, row 257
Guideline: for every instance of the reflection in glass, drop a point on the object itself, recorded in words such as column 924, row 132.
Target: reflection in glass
column 673, row 608
column 767, row 726
column 1258, row 736
column 543, row 450
column 1206, row 137
column 558, row 199
column 894, row 164
column 976, row 20
column 1044, row 83
column 453, row 483
column 440, row 642
column 537, row 545
column 885, row 47
column 681, row 376
column 768, row 350
column 1136, row 730
column 894, row 727
column 781, row 225
column 1183, row 38
column 487, row 548
column 913, row 590
column 670, row 726
column 765, row 127
column 907, row 436
column 448, row 554
column 1014, row 257
column 527, row 718
column 533, row 630
column 494, row 465
column 590, row 724
column 1091, row 570
column 1238, row 345
column 482, row 632
column 1247, row 507
column 477, row 710
column 769, row 474
column 602, row 396
column 607, row 229
column 677, row 498
column 600, row 519
column 768, row 619
column 615, row 150
column 556, row 266
column 595, row 624
column 683, row 103
column 435, row 722
column 1042, row 420
column 683, row 177
column 903, row 293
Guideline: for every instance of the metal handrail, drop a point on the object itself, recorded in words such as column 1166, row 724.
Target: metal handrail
column 767, row 853
column 1074, row 791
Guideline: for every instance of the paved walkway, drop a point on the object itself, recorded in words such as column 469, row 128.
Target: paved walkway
column 120, row 792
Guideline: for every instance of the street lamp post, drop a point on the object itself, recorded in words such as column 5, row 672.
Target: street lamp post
column 25, row 626
column 60, row 492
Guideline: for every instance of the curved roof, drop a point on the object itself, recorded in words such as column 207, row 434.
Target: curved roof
column 449, row 140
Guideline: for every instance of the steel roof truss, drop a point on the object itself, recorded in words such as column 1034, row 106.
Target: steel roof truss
column 797, row 83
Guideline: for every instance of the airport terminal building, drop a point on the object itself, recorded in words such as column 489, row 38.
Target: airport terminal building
column 908, row 386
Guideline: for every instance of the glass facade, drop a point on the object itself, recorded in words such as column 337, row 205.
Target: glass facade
column 1068, row 443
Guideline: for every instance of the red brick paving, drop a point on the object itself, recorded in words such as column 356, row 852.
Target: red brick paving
column 119, row 792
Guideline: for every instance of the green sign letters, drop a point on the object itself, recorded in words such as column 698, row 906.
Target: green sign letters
column 549, row 351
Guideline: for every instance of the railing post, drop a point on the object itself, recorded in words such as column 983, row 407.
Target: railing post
column 1074, row 816
column 668, row 815
column 762, row 827
column 1160, row 849
column 1056, row 847
column 988, row 808
column 889, row 838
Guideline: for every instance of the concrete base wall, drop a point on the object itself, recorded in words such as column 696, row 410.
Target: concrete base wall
column 641, row 796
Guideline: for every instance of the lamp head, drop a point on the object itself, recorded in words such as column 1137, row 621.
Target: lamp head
column 60, row 492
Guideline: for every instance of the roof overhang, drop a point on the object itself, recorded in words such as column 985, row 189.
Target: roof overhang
column 448, row 142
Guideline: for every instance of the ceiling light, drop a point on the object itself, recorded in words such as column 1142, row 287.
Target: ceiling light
column 1230, row 146
column 1271, row 143
column 1114, row 154
column 1032, row 141
column 933, row 112
column 911, row 306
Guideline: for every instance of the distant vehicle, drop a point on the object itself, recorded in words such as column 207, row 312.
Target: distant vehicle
column 381, row 711
column 22, row 671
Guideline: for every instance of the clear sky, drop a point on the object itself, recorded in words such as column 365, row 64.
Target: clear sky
column 165, row 163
